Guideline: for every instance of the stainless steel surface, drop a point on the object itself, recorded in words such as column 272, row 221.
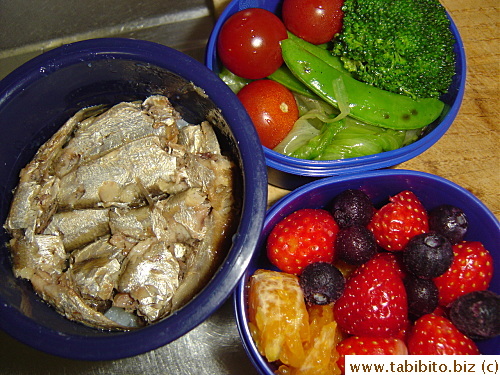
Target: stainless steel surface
column 28, row 28
column 213, row 348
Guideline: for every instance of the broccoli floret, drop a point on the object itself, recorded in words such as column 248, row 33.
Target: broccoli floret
column 402, row 46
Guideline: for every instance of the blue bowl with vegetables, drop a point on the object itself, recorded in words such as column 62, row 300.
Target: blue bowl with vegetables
column 345, row 118
column 431, row 191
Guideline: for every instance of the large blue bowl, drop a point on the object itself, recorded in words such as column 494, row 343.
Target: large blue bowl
column 379, row 185
column 288, row 173
column 37, row 98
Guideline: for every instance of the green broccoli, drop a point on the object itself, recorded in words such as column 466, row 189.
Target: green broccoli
column 402, row 46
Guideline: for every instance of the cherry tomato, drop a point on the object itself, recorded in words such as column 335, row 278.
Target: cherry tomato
column 248, row 43
column 316, row 21
column 272, row 108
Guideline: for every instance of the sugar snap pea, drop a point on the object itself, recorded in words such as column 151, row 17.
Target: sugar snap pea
column 321, row 52
column 284, row 76
column 367, row 103
column 287, row 79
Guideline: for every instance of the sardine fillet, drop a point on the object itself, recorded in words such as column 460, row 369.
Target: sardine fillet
column 128, row 209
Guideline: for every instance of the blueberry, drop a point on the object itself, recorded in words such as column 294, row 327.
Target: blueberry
column 355, row 245
column 322, row 283
column 428, row 255
column 352, row 207
column 450, row 221
column 422, row 294
column 477, row 314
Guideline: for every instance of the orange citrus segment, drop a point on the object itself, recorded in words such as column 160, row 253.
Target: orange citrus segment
column 321, row 352
column 278, row 318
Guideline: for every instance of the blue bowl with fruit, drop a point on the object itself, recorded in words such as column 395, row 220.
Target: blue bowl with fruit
column 428, row 251
column 314, row 91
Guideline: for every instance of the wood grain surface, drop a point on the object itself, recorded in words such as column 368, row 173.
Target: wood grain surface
column 469, row 153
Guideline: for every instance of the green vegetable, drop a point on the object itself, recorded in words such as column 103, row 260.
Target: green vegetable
column 357, row 139
column 301, row 133
column 287, row 79
column 316, row 145
column 234, row 82
column 310, row 138
column 320, row 52
column 402, row 46
column 366, row 103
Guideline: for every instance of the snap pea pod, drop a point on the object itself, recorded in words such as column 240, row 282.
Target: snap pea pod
column 367, row 103
column 284, row 76
column 321, row 52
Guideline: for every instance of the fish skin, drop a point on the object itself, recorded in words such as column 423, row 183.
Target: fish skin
column 134, row 223
column 199, row 139
column 100, row 248
column 151, row 277
column 44, row 252
column 26, row 212
column 95, row 278
column 143, row 159
column 70, row 304
column 181, row 217
column 94, row 272
column 123, row 123
column 138, row 217
column 79, row 227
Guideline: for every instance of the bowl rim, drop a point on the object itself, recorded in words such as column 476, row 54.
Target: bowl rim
column 254, row 181
column 319, row 168
column 239, row 301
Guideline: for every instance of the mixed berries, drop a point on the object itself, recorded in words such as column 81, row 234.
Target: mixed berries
column 397, row 279
column 374, row 301
column 322, row 283
column 306, row 236
column 398, row 221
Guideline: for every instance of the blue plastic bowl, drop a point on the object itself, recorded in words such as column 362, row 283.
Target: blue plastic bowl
column 288, row 173
column 379, row 185
column 37, row 98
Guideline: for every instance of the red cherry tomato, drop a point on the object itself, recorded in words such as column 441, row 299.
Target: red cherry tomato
column 316, row 21
column 272, row 108
column 248, row 43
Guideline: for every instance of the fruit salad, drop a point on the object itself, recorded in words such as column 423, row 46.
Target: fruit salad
column 352, row 278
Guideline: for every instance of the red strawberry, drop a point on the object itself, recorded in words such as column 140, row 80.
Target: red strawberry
column 433, row 334
column 398, row 221
column 395, row 260
column 374, row 301
column 363, row 345
column 471, row 270
column 303, row 237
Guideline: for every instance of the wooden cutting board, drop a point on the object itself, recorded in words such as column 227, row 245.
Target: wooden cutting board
column 469, row 153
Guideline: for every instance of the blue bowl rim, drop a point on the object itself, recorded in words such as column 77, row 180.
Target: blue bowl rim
column 318, row 168
column 239, row 301
column 219, row 289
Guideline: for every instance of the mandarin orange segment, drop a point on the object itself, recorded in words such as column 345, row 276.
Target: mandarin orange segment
column 278, row 318
column 318, row 355
column 321, row 352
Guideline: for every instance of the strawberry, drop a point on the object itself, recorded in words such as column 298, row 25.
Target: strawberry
column 433, row 334
column 395, row 261
column 356, row 345
column 398, row 221
column 374, row 301
column 471, row 270
column 303, row 237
